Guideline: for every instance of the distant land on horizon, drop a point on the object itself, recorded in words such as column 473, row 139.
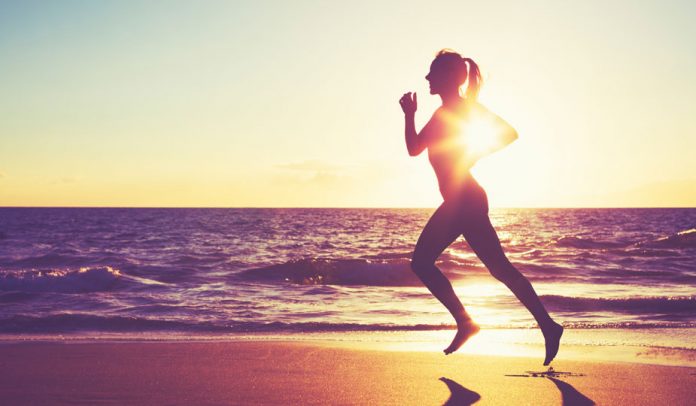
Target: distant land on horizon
column 682, row 193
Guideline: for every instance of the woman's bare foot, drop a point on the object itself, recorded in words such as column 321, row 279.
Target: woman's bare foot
column 552, row 336
column 464, row 331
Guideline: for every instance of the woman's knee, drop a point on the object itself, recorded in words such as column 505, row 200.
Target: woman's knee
column 504, row 272
column 420, row 263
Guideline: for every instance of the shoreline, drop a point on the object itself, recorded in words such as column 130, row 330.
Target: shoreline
column 609, row 345
column 293, row 372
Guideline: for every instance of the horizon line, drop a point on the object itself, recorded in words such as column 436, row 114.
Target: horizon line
column 335, row 207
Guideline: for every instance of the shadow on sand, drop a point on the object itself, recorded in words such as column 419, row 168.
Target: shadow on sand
column 570, row 395
column 459, row 395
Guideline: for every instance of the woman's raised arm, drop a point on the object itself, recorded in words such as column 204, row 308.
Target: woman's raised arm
column 488, row 133
column 415, row 142
column 507, row 134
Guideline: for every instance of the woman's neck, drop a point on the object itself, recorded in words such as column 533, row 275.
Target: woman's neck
column 451, row 99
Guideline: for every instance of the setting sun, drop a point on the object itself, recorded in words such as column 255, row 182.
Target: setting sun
column 182, row 119
column 479, row 136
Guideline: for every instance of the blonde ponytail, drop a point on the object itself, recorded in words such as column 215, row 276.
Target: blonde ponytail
column 474, row 77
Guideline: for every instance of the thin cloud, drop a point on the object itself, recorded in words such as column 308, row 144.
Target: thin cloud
column 62, row 180
column 311, row 166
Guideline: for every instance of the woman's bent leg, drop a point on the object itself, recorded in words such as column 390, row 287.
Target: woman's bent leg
column 483, row 239
column 437, row 235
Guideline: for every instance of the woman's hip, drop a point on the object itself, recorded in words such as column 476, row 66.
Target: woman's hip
column 469, row 201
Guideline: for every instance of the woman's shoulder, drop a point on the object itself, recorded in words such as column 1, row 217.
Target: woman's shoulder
column 480, row 108
column 437, row 115
column 463, row 108
column 459, row 112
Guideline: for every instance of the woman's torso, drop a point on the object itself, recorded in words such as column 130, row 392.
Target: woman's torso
column 447, row 155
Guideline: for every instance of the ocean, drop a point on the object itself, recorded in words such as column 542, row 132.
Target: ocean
column 629, row 274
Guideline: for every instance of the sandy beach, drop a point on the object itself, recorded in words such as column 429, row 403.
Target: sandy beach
column 281, row 372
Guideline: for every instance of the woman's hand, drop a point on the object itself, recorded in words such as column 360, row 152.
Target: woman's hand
column 414, row 143
column 409, row 105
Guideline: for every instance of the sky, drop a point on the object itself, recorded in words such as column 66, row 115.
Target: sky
column 295, row 104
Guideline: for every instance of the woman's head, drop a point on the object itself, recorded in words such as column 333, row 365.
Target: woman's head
column 449, row 71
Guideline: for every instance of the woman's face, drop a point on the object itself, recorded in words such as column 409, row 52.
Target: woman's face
column 439, row 79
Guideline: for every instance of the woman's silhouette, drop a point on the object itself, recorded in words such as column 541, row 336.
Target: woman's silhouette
column 450, row 138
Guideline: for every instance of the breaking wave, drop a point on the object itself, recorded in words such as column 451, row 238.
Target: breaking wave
column 88, row 279
column 682, row 239
column 585, row 243
column 75, row 322
column 337, row 272
column 673, row 305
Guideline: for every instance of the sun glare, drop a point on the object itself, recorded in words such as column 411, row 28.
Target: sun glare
column 480, row 136
column 477, row 134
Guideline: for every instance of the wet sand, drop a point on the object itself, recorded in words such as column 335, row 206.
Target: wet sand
column 270, row 372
